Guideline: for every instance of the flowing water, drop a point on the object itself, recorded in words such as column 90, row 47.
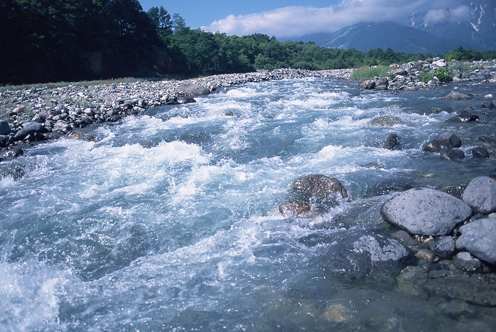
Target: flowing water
column 169, row 221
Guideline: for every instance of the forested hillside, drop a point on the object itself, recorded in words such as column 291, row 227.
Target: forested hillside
column 70, row 40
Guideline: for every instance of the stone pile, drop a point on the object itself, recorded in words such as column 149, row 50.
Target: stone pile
column 422, row 74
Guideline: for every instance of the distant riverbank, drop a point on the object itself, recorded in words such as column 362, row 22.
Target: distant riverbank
column 42, row 113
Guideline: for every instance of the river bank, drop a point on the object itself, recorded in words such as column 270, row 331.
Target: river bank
column 42, row 113
column 51, row 112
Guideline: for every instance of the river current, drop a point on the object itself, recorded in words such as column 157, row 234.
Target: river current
column 169, row 221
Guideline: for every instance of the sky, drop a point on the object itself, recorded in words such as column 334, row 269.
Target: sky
column 295, row 18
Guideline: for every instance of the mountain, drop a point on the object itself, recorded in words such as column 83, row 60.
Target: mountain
column 367, row 36
column 467, row 23
column 473, row 21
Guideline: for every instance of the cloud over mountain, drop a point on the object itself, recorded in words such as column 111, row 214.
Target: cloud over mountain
column 299, row 20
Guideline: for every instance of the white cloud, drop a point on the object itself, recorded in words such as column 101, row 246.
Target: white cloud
column 440, row 15
column 460, row 13
column 436, row 16
column 297, row 21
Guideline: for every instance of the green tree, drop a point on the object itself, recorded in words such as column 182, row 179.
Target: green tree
column 162, row 21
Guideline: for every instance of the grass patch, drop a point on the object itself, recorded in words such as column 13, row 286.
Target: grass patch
column 369, row 72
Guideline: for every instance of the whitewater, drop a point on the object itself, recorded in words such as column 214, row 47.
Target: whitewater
column 169, row 221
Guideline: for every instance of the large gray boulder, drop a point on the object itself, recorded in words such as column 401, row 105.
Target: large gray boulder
column 365, row 254
column 480, row 194
column 425, row 211
column 478, row 239
column 194, row 90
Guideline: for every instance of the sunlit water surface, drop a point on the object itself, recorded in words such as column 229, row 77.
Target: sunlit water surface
column 169, row 221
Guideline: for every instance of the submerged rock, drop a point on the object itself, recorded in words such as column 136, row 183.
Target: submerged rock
column 452, row 154
column 478, row 239
column 366, row 254
column 480, row 194
column 393, row 142
column 455, row 95
column 466, row 262
column 386, row 121
column 425, row 211
column 313, row 194
column 443, row 247
column 480, row 153
column 443, row 141
column 320, row 186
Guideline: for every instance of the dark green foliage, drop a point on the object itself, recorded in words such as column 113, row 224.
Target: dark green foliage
column 70, row 40
column 54, row 40
column 443, row 74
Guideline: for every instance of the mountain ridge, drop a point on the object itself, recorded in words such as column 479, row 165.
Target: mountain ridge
column 470, row 24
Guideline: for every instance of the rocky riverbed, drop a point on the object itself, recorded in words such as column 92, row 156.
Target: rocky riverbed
column 41, row 113
column 425, row 249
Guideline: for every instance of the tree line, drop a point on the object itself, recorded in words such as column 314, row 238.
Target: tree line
column 71, row 40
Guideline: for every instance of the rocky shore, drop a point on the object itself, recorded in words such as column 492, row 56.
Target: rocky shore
column 432, row 73
column 41, row 113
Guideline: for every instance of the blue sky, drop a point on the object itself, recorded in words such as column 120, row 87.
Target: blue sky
column 294, row 18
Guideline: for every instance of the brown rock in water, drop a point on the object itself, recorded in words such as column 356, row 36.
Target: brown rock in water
column 367, row 85
column 319, row 186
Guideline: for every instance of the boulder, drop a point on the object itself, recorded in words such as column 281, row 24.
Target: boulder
column 452, row 154
column 480, row 194
column 311, row 195
column 320, row 186
column 466, row 262
column 464, row 118
column 185, row 100
column 4, row 128
column 480, row 153
column 425, row 211
column 443, row 141
column 382, row 84
column 393, row 142
column 478, row 239
column 443, row 247
column 365, row 254
column 367, row 85
column 386, row 121
column 455, row 95
column 194, row 90
column 29, row 128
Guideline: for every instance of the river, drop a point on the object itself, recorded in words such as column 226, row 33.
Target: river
column 169, row 221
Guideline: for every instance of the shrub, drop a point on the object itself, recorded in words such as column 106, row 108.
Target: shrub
column 369, row 72
column 443, row 74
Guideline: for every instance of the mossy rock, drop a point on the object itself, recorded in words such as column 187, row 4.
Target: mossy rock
column 386, row 121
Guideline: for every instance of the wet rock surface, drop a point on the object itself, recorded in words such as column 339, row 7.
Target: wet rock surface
column 478, row 238
column 366, row 254
column 480, row 194
column 425, row 211
column 313, row 194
